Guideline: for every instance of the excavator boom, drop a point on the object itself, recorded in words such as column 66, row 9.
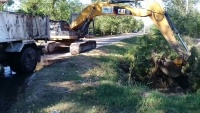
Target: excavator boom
column 153, row 10
column 157, row 14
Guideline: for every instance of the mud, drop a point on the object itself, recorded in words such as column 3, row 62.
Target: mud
column 11, row 84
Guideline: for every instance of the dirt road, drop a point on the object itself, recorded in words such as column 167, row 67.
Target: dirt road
column 62, row 53
column 101, row 41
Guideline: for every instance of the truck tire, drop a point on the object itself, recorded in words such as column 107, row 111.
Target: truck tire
column 28, row 60
column 25, row 61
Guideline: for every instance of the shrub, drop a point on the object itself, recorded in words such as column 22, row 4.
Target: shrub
column 142, row 68
column 193, row 71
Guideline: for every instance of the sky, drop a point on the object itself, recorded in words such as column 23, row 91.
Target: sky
column 85, row 1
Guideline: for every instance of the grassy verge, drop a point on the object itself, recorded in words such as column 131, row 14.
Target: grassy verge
column 99, row 82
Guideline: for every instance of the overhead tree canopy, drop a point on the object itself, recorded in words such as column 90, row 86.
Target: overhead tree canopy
column 186, row 21
column 57, row 9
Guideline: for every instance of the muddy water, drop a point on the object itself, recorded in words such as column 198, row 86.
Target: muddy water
column 13, row 84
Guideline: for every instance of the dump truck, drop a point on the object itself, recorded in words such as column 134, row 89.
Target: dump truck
column 19, row 33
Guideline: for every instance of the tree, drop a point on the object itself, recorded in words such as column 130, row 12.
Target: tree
column 107, row 25
column 56, row 9
column 185, row 19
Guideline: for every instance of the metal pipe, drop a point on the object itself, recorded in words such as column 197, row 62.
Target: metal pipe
column 179, row 36
column 171, row 24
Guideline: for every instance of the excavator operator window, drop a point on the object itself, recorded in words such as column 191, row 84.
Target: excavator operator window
column 64, row 26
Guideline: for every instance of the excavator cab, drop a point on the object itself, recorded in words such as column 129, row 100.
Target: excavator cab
column 73, row 16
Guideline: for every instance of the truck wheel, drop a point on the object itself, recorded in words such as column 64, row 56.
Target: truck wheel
column 28, row 60
column 25, row 61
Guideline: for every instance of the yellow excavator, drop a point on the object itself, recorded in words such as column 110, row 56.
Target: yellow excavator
column 160, row 18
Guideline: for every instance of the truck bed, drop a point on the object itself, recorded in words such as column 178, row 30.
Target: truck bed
column 20, row 26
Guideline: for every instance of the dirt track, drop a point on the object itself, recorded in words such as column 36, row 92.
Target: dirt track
column 64, row 52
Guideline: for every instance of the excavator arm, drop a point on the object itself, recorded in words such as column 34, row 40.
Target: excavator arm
column 157, row 14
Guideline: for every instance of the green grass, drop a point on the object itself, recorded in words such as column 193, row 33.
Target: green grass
column 93, row 82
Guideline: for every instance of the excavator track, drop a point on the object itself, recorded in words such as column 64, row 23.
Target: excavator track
column 82, row 46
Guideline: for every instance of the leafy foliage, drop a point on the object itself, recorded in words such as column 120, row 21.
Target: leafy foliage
column 57, row 9
column 142, row 67
column 143, row 71
column 186, row 21
column 107, row 25
column 193, row 69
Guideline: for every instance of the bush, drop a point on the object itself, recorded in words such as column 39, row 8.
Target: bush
column 190, row 41
column 193, row 71
column 142, row 68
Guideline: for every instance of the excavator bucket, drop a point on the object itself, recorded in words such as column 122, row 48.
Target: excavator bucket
column 167, row 66
column 170, row 69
